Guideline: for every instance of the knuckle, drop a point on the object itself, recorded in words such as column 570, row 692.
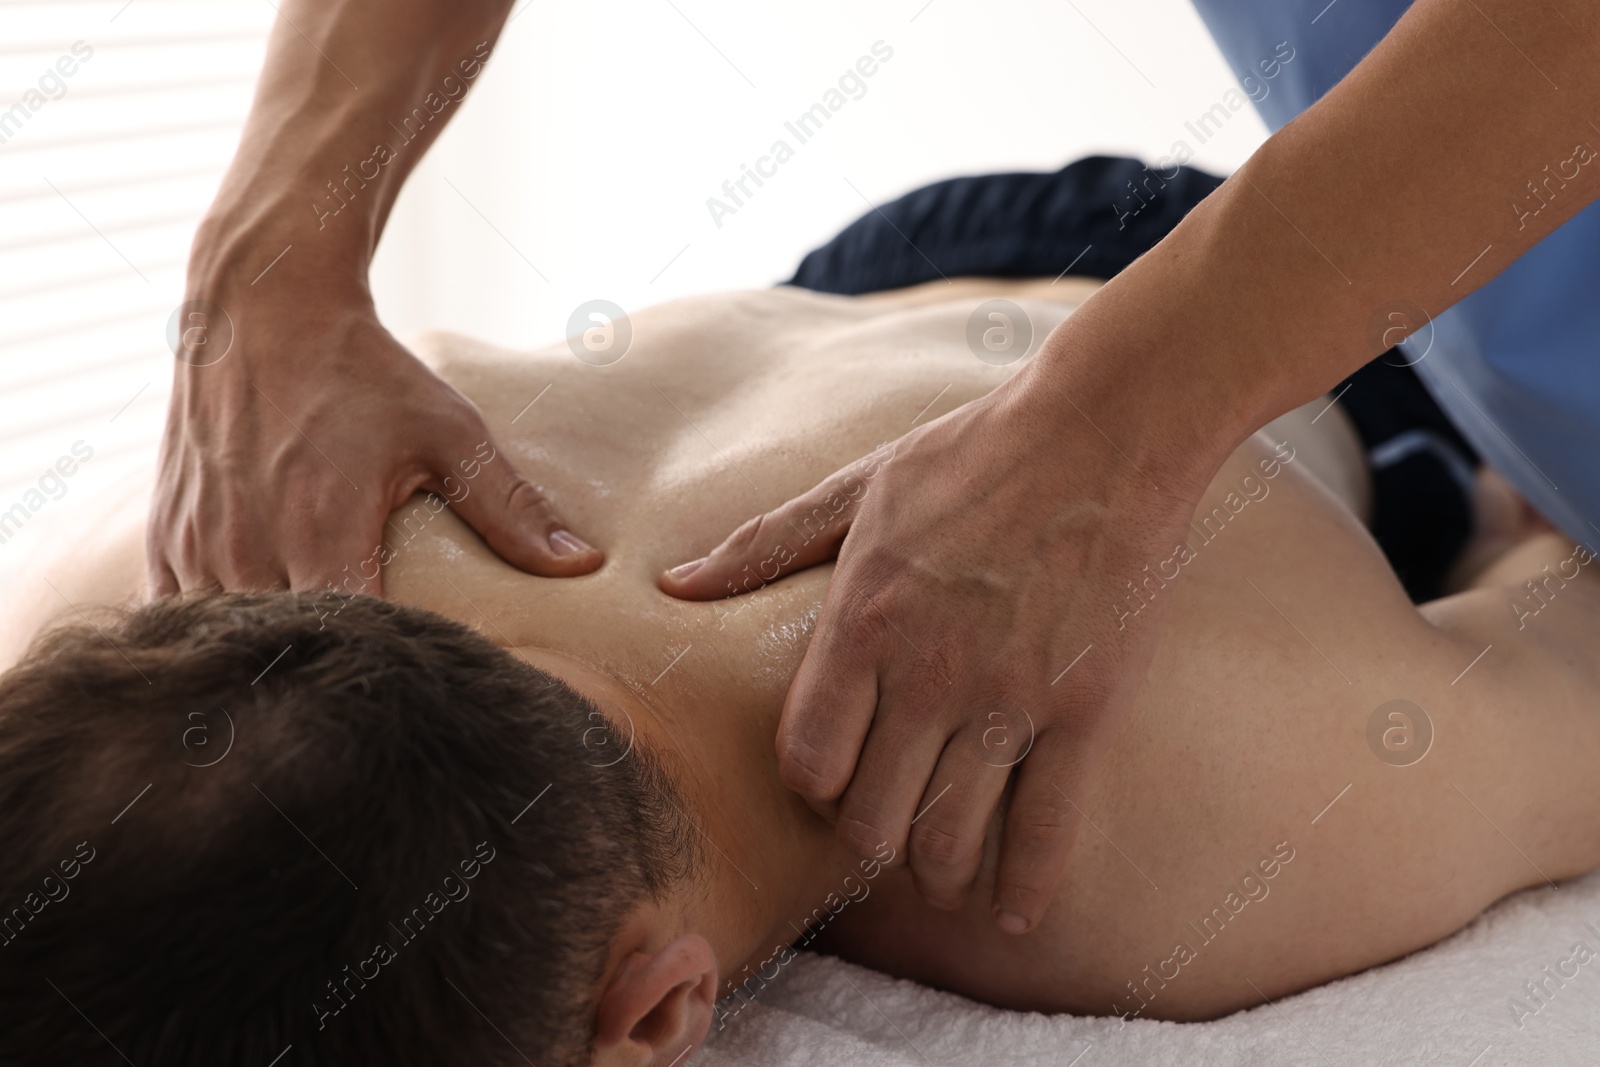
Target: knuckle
column 805, row 769
column 938, row 848
column 863, row 836
column 864, row 619
column 1085, row 694
column 928, row 654
column 767, row 536
column 456, row 427
column 745, row 537
column 523, row 496
column 183, row 544
column 461, row 414
column 819, row 513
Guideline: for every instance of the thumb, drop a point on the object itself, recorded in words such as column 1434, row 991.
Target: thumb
column 512, row 515
column 801, row 533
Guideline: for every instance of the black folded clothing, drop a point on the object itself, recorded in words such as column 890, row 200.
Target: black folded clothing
column 1094, row 217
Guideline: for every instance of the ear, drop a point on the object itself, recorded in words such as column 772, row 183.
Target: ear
column 657, row 1005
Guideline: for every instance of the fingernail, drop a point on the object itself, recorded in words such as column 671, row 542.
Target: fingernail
column 683, row 570
column 1011, row 922
column 563, row 543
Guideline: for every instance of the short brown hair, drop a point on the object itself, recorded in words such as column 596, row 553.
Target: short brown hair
column 212, row 913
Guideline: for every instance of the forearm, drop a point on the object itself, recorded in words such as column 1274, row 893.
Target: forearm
column 1409, row 181
column 351, row 94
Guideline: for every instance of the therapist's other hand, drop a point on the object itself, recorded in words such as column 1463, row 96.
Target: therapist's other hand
column 283, row 459
column 971, row 627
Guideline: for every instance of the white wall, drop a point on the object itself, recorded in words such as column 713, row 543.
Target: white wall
column 598, row 132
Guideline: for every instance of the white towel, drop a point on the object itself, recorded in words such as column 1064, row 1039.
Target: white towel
column 1454, row 1005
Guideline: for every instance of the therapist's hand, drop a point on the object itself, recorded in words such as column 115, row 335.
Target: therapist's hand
column 284, row 456
column 994, row 546
column 971, row 626
column 283, row 459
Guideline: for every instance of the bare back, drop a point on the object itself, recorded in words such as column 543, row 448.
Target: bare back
column 1249, row 748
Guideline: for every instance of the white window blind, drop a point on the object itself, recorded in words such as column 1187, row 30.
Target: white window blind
column 117, row 119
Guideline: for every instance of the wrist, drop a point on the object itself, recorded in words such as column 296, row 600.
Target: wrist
column 1220, row 328
column 1140, row 386
column 260, row 257
column 260, row 294
column 292, row 188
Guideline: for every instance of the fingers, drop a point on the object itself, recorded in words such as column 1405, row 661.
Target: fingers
column 512, row 515
column 159, row 579
column 829, row 709
column 299, row 544
column 1041, row 824
column 347, row 561
column 889, row 783
column 953, row 817
column 803, row 532
column 226, row 554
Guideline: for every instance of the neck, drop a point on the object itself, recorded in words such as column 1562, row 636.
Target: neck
column 775, row 873
column 775, row 870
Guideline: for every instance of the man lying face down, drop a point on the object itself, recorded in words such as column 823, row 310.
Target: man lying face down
column 360, row 875
column 274, row 829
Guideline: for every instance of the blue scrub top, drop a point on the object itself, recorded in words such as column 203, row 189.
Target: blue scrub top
column 1515, row 365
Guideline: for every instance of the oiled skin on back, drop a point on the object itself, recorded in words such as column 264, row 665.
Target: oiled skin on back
column 1287, row 632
